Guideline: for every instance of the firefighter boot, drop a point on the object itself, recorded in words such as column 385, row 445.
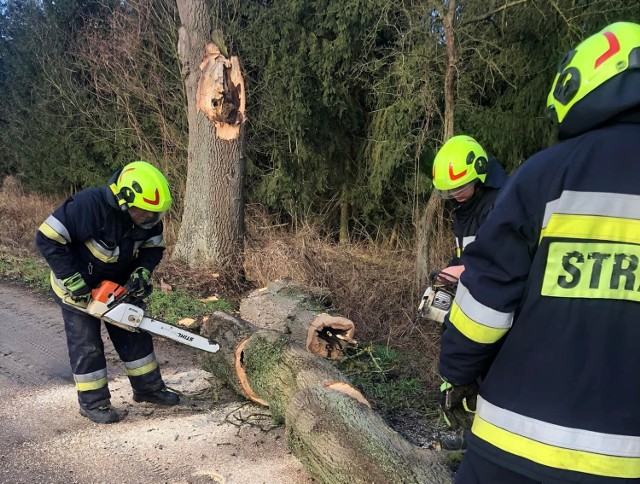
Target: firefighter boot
column 163, row 396
column 102, row 414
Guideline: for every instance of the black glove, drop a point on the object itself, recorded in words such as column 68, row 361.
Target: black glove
column 458, row 403
column 139, row 283
column 78, row 289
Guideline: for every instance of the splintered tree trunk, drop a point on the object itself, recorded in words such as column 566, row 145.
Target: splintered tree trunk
column 329, row 424
column 212, row 226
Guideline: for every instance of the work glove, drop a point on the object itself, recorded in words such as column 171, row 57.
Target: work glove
column 139, row 283
column 77, row 288
column 458, row 403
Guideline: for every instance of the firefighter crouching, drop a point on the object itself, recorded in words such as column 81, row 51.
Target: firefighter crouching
column 551, row 290
column 108, row 233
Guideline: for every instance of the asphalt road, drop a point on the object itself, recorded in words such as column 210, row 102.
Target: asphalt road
column 43, row 439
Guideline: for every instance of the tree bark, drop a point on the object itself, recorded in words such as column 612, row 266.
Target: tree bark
column 212, row 228
column 329, row 424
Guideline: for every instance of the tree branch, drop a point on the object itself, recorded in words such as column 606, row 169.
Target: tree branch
column 492, row 12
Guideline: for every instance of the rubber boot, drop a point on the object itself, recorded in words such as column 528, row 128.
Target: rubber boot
column 161, row 397
column 103, row 414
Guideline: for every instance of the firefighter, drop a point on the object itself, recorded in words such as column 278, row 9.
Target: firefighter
column 550, row 297
column 465, row 174
column 108, row 233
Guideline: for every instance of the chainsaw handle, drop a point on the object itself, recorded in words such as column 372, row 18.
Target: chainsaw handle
column 109, row 293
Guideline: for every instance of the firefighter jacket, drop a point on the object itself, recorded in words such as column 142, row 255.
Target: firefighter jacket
column 549, row 304
column 469, row 216
column 89, row 234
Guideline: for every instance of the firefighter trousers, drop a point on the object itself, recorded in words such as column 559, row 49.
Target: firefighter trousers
column 88, row 363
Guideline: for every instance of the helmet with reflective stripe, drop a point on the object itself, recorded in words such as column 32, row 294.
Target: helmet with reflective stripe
column 598, row 79
column 142, row 185
column 460, row 161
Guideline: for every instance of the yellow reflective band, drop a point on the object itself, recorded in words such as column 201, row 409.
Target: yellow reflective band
column 592, row 270
column 142, row 370
column 99, row 255
column 48, row 232
column 91, row 385
column 592, row 227
column 474, row 331
column 556, row 457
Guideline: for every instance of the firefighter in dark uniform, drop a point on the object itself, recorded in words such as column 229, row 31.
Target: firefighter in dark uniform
column 550, row 297
column 465, row 174
column 108, row 233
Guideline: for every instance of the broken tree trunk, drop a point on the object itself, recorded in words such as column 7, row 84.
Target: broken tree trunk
column 329, row 424
column 288, row 307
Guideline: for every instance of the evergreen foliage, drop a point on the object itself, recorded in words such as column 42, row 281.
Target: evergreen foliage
column 345, row 98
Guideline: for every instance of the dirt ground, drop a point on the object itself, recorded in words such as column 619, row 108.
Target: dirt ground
column 44, row 439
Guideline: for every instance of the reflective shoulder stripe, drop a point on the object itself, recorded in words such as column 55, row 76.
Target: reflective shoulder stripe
column 593, row 215
column 555, row 446
column 592, row 227
column 617, row 205
column 142, row 366
column 157, row 241
column 102, row 253
column 91, row 381
column 53, row 229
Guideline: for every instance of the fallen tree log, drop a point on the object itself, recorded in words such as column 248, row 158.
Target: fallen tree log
column 288, row 307
column 329, row 424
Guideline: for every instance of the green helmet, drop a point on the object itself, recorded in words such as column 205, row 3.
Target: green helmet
column 142, row 185
column 597, row 80
column 460, row 161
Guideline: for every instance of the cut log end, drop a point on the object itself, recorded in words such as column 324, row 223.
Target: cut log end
column 242, row 375
column 347, row 389
column 328, row 336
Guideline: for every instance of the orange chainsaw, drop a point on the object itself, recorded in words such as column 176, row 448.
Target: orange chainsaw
column 111, row 303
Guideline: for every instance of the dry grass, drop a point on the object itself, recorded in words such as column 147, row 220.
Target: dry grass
column 20, row 216
column 373, row 286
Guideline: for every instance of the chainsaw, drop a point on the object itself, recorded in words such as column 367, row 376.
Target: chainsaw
column 111, row 303
column 437, row 298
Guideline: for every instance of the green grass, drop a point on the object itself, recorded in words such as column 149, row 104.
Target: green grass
column 173, row 306
column 31, row 271
column 381, row 374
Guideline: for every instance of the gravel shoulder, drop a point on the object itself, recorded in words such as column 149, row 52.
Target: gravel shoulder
column 44, row 439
